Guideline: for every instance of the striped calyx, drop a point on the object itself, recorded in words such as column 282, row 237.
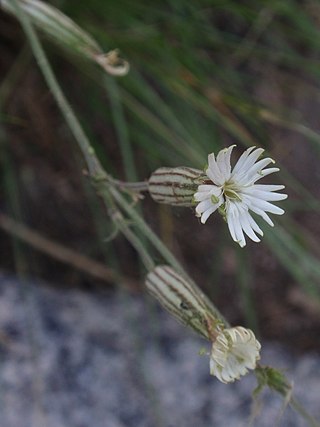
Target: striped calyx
column 175, row 186
column 184, row 301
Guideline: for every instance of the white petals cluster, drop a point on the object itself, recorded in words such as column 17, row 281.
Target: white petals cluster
column 235, row 192
column 234, row 351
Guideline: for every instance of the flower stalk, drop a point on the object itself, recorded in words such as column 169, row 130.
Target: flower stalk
column 94, row 166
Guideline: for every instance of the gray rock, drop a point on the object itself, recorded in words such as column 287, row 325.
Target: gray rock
column 75, row 359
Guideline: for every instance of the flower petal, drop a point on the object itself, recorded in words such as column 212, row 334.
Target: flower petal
column 246, row 177
column 213, row 171
column 223, row 162
column 234, row 351
column 266, row 206
column 265, row 195
column 208, row 212
column 263, row 214
column 267, row 187
column 234, row 222
column 203, row 206
column 246, row 160
column 246, row 225
column 254, row 225
column 206, row 187
column 263, row 173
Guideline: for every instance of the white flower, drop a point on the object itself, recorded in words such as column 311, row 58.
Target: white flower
column 235, row 192
column 234, row 351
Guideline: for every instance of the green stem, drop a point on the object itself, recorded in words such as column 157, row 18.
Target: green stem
column 300, row 409
column 99, row 176
column 93, row 163
column 162, row 249
column 144, row 227
column 95, row 169
column 137, row 187
column 120, row 222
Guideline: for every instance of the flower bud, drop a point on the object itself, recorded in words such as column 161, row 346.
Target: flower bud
column 184, row 301
column 175, row 186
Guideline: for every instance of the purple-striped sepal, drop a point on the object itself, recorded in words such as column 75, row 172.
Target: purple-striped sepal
column 175, row 186
column 184, row 301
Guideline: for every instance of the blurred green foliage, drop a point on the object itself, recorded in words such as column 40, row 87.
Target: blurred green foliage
column 205, row 74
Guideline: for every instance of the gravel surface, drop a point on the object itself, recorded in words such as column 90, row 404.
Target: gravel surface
column 76, row 359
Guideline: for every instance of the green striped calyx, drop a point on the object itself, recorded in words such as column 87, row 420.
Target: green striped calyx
column 175, row 186
column 184, row 301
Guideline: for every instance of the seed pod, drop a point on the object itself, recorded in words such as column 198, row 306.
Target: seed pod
column 175, row 186
column 184, row 301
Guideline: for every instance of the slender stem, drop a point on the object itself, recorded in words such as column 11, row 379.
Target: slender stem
column 144, row 227
column 92, row 161
column 95, row 169
column 120, row 221
column 99, row 176
column 137, row 187
column 139, row 247
column 162, row 249
column 300, row 409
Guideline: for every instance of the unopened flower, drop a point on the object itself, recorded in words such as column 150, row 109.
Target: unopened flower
column 184, row 301
column 234, row 192
column 234, row 352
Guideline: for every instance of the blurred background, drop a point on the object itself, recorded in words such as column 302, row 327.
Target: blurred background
column 204, row 75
